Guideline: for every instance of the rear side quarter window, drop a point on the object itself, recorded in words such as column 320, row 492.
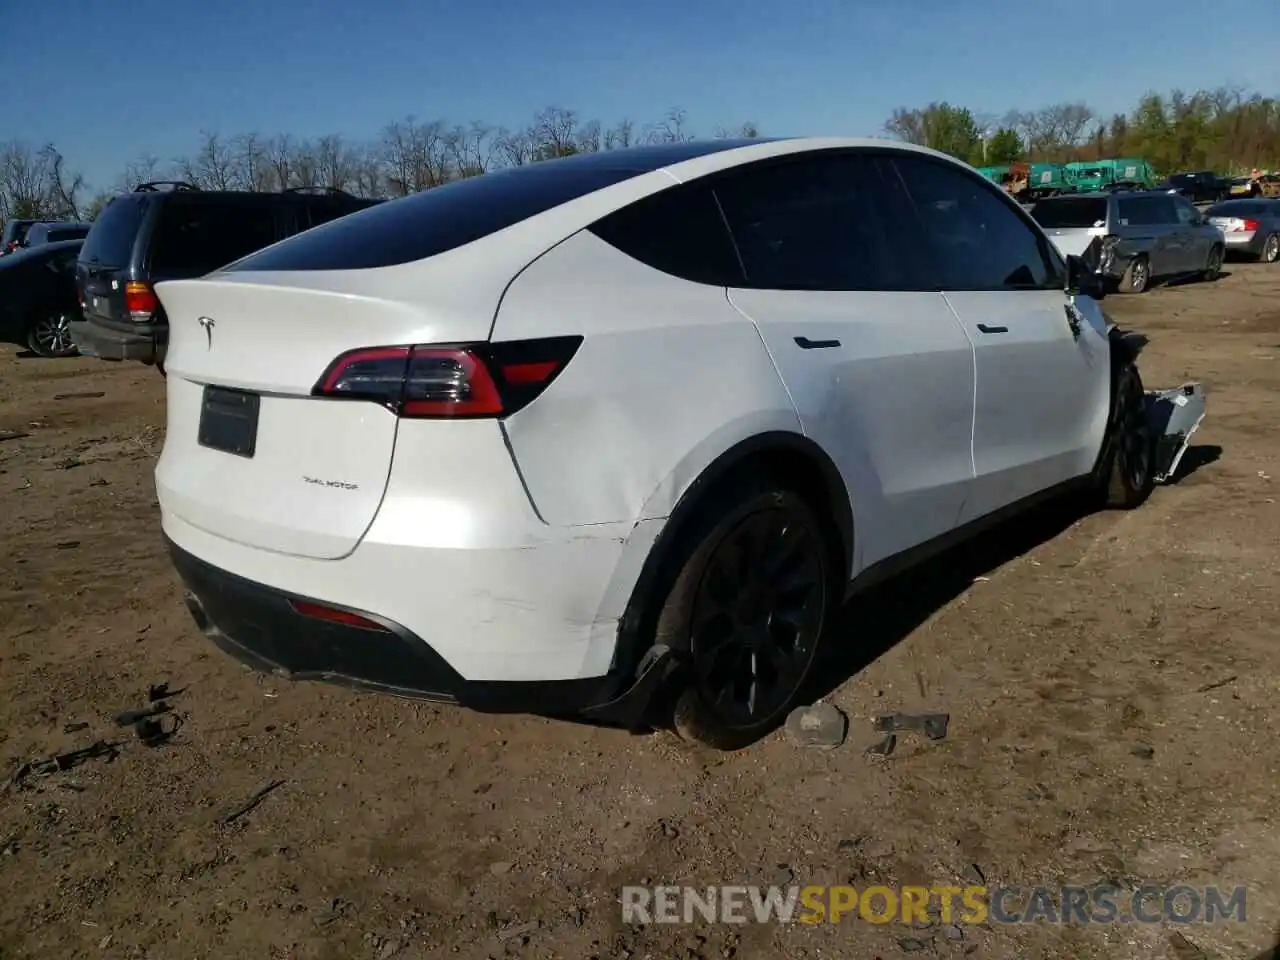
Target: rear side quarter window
column 197, row 236
column 678, row 231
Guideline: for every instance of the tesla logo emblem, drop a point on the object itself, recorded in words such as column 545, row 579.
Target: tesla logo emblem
column 207, row 324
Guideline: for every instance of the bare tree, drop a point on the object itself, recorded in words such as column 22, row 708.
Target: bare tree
column 555, row 131
column 588, row 138
column 672, row 128
column 36, row 183
column 251, row 163
column 472, row 149
column 281, row 155
column 517, row 148
column 620, row 136
column 335, row 163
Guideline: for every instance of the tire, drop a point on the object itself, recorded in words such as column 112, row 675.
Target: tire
column 1270, row 248
column 1213, row 269
column 49, row 334
column 1125, row 473
column 747, row 612
column 1136, row 276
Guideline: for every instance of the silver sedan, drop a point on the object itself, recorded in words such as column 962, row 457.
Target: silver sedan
column 1250, row 227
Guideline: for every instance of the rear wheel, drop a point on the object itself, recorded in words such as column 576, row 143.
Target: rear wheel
column 1271, row 248
column 1136, row 276
column 748, row 610
column 1213, row 269
column 49, row 334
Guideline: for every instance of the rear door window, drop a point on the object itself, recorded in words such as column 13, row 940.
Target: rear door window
column 110, row 241
column 817, row 223
column 198, row 236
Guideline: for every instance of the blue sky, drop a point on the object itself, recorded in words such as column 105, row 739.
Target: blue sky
column 152, row 74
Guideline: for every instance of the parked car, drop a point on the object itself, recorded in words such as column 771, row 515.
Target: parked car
column 38, row 298
column 14, row 231
column 55, row 231
column 1203, row 186
column 1250, row 227
column 556, row 438
column 1134, row 237
column 156, row 234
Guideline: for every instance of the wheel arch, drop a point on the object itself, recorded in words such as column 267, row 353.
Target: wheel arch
column 795, row 459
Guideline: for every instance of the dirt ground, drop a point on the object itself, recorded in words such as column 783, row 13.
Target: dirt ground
column 1072, row 654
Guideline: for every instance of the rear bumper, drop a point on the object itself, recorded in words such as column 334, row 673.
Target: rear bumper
column 1241, row 242
column 111, row 341
column 260, row 627
column 503, row 646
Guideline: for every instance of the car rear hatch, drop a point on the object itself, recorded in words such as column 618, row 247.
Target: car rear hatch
column 106, row 293
column 250, row 453
column 1074, row 224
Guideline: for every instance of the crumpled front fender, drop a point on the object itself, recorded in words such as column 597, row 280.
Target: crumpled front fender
column 1174, row 414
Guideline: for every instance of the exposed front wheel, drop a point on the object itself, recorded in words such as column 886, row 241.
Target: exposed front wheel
column 50, row 335
column 1136, row 276
column 747, row 611
column 1125, row 474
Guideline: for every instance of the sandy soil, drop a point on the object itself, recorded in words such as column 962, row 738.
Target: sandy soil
column 1071, row 652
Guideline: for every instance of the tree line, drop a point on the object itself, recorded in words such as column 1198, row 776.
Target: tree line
column 1228, row 130
column 408, row 155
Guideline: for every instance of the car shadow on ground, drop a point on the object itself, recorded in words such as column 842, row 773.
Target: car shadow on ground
column 1197, row 456
column 874, row 622
column 1188, row 279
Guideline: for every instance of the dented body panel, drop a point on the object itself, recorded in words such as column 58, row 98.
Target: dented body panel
column 1175, row 414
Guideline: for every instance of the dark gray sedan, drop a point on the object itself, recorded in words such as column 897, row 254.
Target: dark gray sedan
column 1250, row 227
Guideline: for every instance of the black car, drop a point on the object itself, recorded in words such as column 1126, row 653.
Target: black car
column 38, row 297
column 14, row 231
column 153, row 234
column 53, row 231
column 1202, row 186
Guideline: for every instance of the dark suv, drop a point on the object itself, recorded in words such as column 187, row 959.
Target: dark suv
column 151, row 235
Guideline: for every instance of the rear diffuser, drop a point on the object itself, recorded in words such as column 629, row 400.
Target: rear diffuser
column 1174, row 414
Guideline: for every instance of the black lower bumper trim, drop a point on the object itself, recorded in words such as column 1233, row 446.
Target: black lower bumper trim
column 260, row 627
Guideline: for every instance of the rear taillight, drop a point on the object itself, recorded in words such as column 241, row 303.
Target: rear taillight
column 140, row 300
column 449, row 381
column 1251, row 226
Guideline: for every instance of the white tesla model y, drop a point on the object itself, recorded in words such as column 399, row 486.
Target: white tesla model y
column 556, row 438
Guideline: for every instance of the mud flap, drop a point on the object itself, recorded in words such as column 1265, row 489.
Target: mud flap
column 1174, row 415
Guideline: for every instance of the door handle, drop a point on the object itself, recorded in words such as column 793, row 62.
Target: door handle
column 986, row 329
column 804, row 343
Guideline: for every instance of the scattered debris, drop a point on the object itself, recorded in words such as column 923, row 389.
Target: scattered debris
column 932, row 725
column 252, row 802
column 953, row 932
column 100, row 482
column 1143, row 751
column 1180, row 948
column 882, row 748
column 783, row 876
column 1216, row 684
column 161, row 691
column 12, row 435
column 130, row 717
column 67, row 544
column 668, row 829
column 153, row 733
column 912, row 944
column 62, row 762
column 74, row 727
column 69, row 463
column 975, row 874
column 518, row 930
column 500, row 867
column 80, row 396
column 820, row 725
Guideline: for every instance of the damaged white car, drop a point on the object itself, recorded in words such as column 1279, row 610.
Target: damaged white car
column 561, row 438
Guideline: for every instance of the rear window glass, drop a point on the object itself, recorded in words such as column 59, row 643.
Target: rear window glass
column 438, row 220
column 195, row 236
column 73, row 233
column 110, row 241
column 1240, row 210
column 435, row 221
column 1066, row 214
